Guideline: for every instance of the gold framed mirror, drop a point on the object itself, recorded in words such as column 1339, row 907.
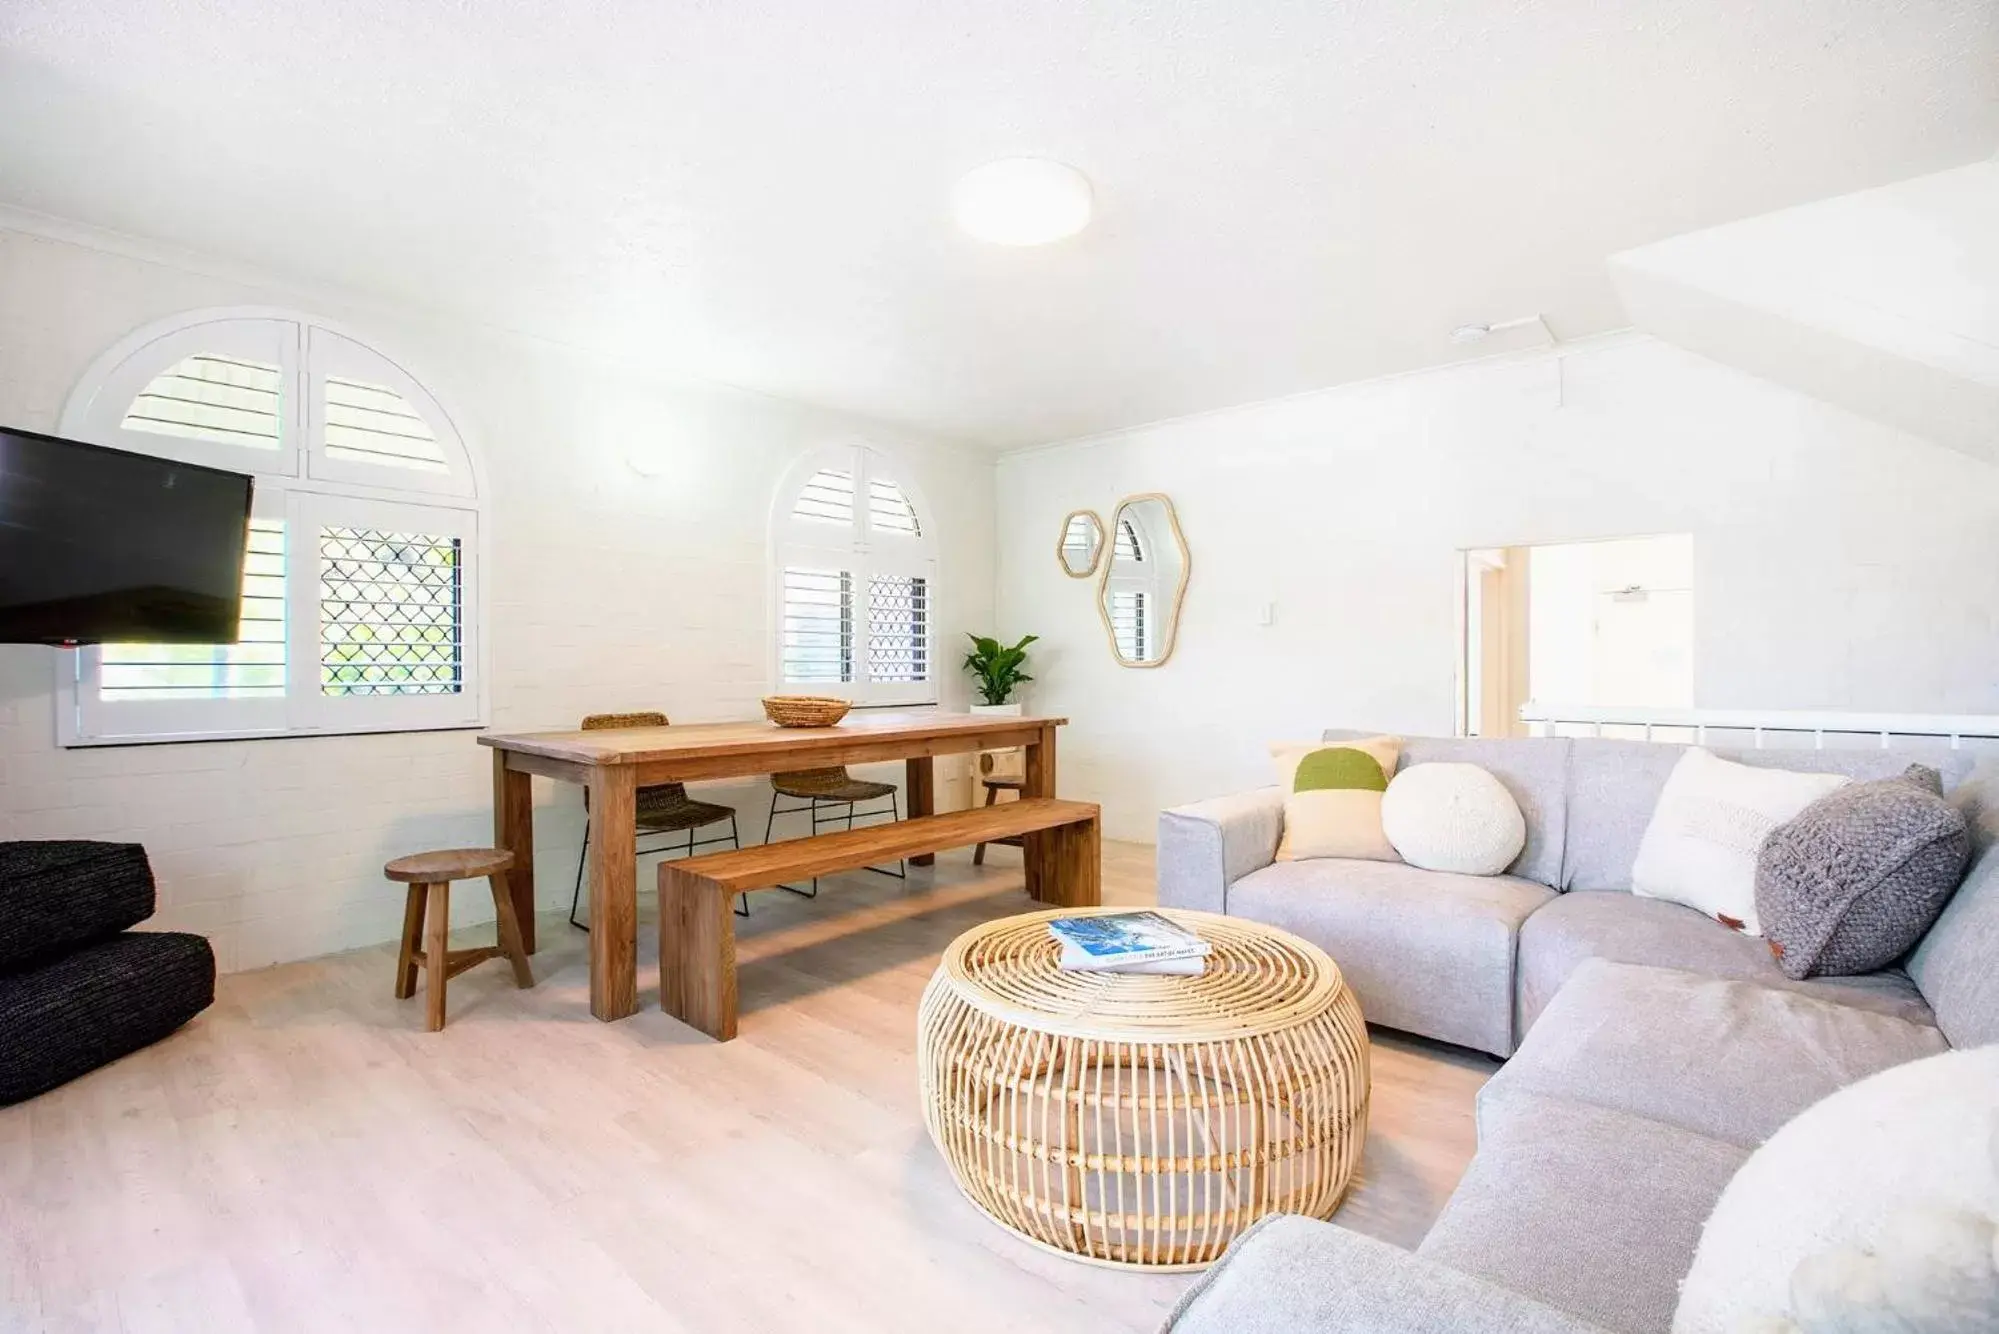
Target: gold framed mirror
column 1081, row 544
column 1143, row 580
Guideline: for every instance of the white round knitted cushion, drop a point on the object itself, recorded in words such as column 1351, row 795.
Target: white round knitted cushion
column 1876, row 1186
column 1452, row 817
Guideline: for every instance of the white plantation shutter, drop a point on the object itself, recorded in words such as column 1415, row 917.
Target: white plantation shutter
column 1128, row 623
column 371, row 423
column 252, row 668
column 225, row 400
column 1128, row 545
column 889, row 509
column 360, row 580
column 855, row 584
column 817, row 638
column 1078, row 539
column 827, row 498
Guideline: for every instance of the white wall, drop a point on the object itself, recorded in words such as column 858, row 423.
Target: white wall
column 1880, row 301
column 1839, row 564
column 607, row 590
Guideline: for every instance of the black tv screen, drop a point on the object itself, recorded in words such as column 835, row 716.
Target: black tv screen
column 99, row 545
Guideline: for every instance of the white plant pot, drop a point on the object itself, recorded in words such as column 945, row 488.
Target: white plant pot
column 998, row 710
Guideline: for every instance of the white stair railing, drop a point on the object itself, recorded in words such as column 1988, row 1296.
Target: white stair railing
column 1786, row 724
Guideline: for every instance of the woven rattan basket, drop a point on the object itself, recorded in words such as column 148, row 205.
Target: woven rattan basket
column 805, row 710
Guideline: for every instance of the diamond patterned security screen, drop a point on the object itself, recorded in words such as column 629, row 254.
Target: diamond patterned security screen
column 898, row 628
column 391, row 613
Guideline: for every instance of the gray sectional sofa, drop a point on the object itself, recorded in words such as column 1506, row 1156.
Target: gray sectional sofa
column 1652, row 1049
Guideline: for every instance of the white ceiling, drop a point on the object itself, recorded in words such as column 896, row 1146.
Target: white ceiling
column 1290, row 195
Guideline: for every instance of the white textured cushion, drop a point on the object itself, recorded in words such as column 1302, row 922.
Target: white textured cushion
column 1453, row 817
column 1851, row 1175
column 1700, row 848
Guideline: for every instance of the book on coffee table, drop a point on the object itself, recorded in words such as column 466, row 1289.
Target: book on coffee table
column 1127, row 942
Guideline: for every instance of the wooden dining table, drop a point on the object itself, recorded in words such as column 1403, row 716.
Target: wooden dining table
column 612, row 765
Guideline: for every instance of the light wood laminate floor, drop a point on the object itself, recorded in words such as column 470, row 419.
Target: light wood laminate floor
column 304, row 1157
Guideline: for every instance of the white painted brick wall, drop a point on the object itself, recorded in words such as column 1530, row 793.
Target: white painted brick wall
column 607, row 591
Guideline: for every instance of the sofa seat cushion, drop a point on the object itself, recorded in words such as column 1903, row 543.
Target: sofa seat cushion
column 1624, row 928
column 1425, row 951
column 1730, row 1060
column 1590, row 1210
column 1294, row 1275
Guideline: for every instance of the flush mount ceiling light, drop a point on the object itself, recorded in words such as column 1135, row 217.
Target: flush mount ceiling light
column 1022, row 201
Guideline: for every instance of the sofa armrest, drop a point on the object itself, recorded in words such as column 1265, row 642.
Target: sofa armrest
column 1294, row 1275
column 1208, row 846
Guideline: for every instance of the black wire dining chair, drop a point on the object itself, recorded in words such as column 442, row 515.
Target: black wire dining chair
column 664, row 808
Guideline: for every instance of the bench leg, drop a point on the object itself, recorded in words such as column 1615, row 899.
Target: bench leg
column 1073, row 856
column 697, row 953
column 979, row 853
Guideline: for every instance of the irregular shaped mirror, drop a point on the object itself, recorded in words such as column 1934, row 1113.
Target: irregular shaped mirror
column 1144, row 579
column 1082, row 543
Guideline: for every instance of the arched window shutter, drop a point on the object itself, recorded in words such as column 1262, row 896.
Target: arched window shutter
column 855, row 583
column 360, row 590
column 221, row 392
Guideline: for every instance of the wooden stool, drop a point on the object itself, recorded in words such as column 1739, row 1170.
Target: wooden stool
column 427, row 916
column 995, row 786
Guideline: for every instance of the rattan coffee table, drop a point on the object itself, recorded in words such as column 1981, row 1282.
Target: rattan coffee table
column 1143, row 1121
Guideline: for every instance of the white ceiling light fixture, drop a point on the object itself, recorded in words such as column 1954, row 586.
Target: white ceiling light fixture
column 1022, row 201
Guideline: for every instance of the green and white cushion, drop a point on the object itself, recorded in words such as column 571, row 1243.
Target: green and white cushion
column 1332, row 798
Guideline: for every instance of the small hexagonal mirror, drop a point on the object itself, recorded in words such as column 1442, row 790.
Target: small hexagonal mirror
column 1082, row 544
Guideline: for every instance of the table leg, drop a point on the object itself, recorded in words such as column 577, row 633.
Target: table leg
column 513, row 829
column 697, row 952
column 920, row 780
column 1038, row 850
column 614, row 893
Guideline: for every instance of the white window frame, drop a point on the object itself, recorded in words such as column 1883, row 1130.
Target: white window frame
column 865, row 553
column 299, row 483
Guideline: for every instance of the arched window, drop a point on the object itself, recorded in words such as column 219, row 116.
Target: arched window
column 856, row 581
column 360, row 582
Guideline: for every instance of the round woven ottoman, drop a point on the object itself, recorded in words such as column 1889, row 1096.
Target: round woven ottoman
column 1143, row 1120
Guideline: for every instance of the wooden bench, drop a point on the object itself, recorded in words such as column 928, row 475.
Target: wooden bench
column 697, row 930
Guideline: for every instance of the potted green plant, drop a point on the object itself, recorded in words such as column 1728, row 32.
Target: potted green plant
column 996, row 670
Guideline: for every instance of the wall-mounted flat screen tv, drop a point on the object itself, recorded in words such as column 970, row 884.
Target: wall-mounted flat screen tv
column 99, row 545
